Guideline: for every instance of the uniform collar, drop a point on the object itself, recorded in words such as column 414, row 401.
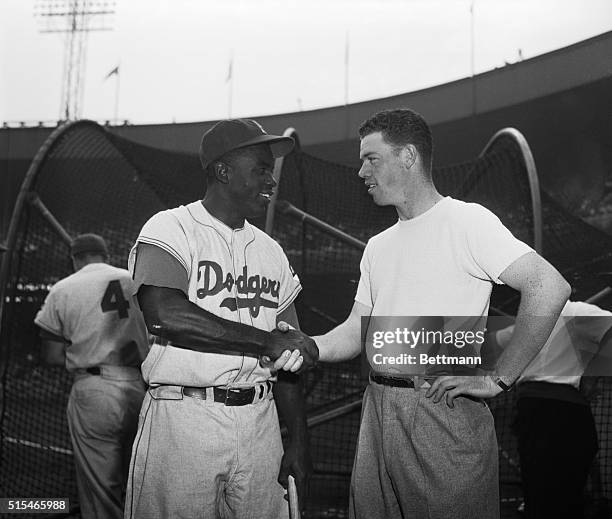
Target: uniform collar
column 203, row 216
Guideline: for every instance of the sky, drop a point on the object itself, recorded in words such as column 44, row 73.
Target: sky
column 174, row 55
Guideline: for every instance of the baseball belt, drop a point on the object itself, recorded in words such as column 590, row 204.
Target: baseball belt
column 231, row 396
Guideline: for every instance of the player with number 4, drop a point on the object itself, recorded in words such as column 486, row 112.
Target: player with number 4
column 91, row 325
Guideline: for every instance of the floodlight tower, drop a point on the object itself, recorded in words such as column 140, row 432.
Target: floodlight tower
column 75, row 18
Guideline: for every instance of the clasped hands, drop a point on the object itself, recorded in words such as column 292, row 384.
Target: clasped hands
column 290, row 350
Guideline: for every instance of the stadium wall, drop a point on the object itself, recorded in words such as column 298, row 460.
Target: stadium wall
column 561, row 101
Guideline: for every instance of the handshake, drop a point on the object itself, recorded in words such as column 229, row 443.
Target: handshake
column 290, row 350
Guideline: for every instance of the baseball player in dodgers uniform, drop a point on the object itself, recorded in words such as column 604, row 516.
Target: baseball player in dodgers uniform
column 432, row 453
column 212, row 288
column 91, row 324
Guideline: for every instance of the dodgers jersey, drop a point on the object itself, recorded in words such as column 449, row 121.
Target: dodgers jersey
column 95, row 311
column 241, row 275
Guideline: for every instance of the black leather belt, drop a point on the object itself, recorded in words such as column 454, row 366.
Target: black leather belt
column 392, row 381
column 93, row 371
column 230, row 396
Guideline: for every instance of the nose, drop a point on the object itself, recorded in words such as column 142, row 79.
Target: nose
column 363, row 173
column 270, row 180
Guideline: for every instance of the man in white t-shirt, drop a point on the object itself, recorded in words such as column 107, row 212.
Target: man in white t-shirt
column 427, row 446
column 555, row 426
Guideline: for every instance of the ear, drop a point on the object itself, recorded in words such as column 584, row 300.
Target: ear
column 408, row 155
column 221, row 172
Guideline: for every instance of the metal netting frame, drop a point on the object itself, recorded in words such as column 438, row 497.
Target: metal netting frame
column 532, row 177
column 10, row 256
column 22, row 198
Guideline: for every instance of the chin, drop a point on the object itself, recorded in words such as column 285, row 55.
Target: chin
column 380, row 201
column 257, row 211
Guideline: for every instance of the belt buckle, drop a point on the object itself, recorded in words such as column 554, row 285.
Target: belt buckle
column 228, row 393
column 232, row 397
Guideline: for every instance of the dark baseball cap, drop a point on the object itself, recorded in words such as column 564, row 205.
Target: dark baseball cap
column 89, row 242
column 232, row 134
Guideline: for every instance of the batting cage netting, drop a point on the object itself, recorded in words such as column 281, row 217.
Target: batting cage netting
column 86, row 179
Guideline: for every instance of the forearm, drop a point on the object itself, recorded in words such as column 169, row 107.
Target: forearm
column 54, row 352
column 291, row 405
column 340, row 344
column 188, row 326
column 344, row 342
column 536, row 317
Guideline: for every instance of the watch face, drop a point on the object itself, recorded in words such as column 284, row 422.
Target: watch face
column 501, row 383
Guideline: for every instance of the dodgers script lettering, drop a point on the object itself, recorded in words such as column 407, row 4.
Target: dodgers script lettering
column 212, row 281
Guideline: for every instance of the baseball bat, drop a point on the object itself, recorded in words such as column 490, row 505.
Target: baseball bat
column 294, row 506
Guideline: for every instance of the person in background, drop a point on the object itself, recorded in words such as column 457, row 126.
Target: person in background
column 90, row 323
column 556, row 432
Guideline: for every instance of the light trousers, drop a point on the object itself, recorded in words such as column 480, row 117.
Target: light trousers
column 197, row 458
column 102, row 417
column 420, row 460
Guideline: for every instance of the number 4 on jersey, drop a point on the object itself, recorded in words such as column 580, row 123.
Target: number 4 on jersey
column 114, row 301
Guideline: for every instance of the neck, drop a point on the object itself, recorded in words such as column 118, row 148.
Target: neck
column 223, row 211
column 418, row 202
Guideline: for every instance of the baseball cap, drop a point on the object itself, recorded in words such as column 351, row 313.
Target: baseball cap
column 231, row 134
column 88, row 243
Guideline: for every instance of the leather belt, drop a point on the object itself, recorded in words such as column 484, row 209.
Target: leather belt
column 231, row 396
column 94, row 370
column 392, row 381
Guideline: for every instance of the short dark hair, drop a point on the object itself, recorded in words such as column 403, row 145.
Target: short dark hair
column 400, row 127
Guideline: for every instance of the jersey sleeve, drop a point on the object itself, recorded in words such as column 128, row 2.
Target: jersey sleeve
column 364, row 288
column 290, row 285
column 165, row 231
column 156, row 267
column 492, row 247
column 49, row 317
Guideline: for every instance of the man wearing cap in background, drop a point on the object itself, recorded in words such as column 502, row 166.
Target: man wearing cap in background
column 212, row 288
column 90, row 323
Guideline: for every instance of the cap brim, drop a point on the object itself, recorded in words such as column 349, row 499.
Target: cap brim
column 279, row 146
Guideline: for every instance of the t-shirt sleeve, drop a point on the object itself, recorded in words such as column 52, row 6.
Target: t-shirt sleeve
column 49, row 316
column 290, row 285
column 492, row 247
column 364, row 288
column 156, row 267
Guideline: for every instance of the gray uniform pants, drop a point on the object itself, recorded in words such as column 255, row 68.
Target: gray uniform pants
column 102, row 418
column 420, row 460
column 201, row 459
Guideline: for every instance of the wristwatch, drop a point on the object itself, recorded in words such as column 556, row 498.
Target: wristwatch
column 497, row 379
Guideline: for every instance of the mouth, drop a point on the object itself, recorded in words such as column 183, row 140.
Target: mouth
column 266, row 195
column 371, row 187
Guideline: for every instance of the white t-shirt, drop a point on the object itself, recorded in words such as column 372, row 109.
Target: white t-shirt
column 441, row 263
column 572, row 344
